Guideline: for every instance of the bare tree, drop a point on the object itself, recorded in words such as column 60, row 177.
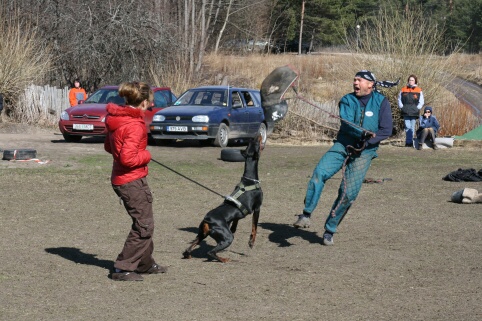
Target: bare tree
column 112, row 41
column 221, row 31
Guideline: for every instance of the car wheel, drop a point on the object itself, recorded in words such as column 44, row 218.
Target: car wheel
column 222, row 136
column 19, row 154
column 231, row 155
column 72, row 138
column 264, row 135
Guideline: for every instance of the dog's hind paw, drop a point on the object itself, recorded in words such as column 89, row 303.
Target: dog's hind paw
column 214, row 256
column 186, row 255
column 224, row 259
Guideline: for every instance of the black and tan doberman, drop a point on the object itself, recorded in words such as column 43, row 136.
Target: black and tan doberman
column 221, row 223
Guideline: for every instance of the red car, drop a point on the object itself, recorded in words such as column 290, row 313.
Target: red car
column 88, row 118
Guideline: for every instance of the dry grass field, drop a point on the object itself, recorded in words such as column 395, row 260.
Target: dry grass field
column 326, row 76
column 404, row 251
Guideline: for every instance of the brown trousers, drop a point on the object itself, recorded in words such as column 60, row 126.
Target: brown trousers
column 138, row 247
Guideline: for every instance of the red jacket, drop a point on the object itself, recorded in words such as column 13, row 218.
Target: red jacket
column 126, row 141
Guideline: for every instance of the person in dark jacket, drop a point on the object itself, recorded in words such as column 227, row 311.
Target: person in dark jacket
column 127, row 141
column 366, row 121
column 428, row 128
column 410, row 102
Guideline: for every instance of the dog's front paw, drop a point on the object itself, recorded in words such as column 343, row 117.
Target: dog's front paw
column 251, row 243
column 186, row 255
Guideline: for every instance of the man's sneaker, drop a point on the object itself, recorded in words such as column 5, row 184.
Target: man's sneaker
column 302, row 222
column 435, row 147
column 126, row 276
column 155, row 269
column 328, row 238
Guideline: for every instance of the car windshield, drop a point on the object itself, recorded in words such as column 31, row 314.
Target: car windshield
column 104, row 96
column 204, row 97
column 162, row 98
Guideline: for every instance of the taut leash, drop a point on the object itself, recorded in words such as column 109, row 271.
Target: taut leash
column 189, row 179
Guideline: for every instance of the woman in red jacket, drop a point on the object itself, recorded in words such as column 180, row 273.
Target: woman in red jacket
column 127, row 141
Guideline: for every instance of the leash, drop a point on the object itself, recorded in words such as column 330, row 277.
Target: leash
column 233, row 198
column 189, row 179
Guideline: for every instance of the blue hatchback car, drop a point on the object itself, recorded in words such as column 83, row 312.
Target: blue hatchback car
column 212, row 115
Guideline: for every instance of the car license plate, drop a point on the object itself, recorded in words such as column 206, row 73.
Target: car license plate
column 177, row 128
column 83, row 126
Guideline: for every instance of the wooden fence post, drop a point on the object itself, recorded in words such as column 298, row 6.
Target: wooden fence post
column 42, row 105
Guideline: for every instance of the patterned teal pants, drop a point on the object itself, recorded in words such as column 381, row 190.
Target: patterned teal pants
column 329, row 165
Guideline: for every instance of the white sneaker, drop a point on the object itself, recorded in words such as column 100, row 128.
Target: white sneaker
column 328, row 239
column 302, row 222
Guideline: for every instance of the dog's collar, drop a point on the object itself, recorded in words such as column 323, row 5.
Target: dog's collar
column 239, row 190
column 251, row 179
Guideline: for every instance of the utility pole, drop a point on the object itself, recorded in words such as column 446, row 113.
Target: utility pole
column 357, row 37
column 301, row 26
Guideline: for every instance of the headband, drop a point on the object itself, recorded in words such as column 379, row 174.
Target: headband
column 368, row 75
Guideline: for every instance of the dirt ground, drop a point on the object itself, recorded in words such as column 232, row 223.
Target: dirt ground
column 403, row 252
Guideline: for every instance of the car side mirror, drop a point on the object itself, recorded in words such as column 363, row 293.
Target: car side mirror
column 237, row 105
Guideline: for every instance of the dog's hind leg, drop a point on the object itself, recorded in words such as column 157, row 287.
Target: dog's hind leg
column 202, row 234
column 224, row 238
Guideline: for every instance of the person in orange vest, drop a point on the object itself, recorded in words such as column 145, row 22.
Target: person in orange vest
column 76, row 93
column 410, row 102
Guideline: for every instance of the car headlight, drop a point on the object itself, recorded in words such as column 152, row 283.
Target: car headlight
column 200, row 119
column 159, row 118
column 64, row 115
column 103, row 120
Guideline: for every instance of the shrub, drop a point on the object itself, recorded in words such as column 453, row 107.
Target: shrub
column 24, row 59
column 395, row 45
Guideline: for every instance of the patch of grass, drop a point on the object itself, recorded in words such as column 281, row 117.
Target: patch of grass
column 95, row 160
